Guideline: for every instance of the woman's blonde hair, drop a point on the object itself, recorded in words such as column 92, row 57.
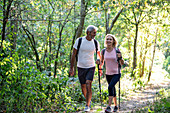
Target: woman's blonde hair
column 115, row 43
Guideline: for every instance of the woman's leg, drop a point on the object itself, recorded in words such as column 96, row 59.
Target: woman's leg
column 112, row 80
column 115, row 101
column 108, row 78
column 110, row 100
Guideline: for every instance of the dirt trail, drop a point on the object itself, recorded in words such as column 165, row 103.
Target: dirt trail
column 139, row 98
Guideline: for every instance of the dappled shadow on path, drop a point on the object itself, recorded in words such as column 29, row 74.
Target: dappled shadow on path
column 137, row 99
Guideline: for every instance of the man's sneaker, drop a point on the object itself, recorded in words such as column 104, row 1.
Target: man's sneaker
column 87, row 108
column 108, row 109
column 115, row 109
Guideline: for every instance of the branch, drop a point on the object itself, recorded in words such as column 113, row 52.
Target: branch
column 144, row 16
column 55, row 65
column 114, row 20
column 8, row 9
column 134, row 16
column 51, row 6
column 26, row 31
column 34, row 47
column 33, row 20
column 128, row 19
column 65, row 21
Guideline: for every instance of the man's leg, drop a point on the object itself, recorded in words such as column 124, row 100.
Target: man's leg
column 83, row 88
column 89, row 92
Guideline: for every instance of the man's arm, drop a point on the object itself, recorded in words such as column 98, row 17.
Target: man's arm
column 99, row 62
column 71, row 72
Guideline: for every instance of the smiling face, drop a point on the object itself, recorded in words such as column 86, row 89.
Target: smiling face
column 110, row 41
column 92, row 34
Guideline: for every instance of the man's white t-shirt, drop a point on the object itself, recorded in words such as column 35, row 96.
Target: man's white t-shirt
column 86, row 53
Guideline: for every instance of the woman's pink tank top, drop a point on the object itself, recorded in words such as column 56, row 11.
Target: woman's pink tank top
column 111, row 62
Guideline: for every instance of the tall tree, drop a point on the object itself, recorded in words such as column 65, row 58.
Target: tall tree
column 79, row 29
column 135, row 14
column 34, row 47
column 60, row 38
column 6, row 11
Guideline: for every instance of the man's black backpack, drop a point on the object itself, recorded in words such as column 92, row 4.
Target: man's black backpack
column 79, row 43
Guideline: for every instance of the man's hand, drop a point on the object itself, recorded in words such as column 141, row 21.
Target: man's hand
column 98, row 61
column 71, row 71
column 101, row 72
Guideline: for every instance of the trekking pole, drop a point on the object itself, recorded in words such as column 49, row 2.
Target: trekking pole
column 119, row 93
column 99, row 85
column 119, row 66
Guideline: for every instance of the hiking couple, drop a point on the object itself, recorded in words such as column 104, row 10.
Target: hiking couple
column 86, row 64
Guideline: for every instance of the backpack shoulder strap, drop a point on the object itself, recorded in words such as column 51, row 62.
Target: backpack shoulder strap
column 78, row 47
column 117, row 51
column 96, row 45
column 79, row 43
column 119, row 66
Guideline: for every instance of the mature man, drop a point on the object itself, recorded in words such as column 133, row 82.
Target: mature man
column 86, row 62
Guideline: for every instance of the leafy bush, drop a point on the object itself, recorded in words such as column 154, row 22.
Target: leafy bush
column 161, row 105
column 25, row 89
column 166, row 64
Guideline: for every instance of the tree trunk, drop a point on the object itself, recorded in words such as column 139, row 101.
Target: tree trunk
column 14, row 31
column 49, row 36
column 135, row 48
column 143, row 61
column 5, row 18
column 79, row 29
column 141, row 58
column 59, row 43
column 107, row 18
column 33, row 45
column 50, row 52
column 150, row 70
column 129, row 50
column 82, row 18
column 107, row 21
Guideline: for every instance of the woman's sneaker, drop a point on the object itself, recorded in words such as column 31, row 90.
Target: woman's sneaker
column 108, row 109
column 87, row 108
column 115, row 109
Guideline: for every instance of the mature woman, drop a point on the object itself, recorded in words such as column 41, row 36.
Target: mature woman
column 112, row 58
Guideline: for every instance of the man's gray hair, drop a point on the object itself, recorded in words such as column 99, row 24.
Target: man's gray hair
column 90, row 28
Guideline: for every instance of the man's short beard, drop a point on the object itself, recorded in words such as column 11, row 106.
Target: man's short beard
column 91, row 37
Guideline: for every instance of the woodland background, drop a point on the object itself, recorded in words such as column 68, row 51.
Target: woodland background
column 37, row 38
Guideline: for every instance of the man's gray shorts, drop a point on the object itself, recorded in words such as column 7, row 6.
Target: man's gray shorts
column 85, row 74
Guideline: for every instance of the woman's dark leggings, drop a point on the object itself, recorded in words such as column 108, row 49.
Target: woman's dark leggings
column 112, row 80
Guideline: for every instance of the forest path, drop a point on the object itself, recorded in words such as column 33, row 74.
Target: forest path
column 138, row 99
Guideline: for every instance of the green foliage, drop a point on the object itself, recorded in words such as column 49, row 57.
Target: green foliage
column 161, row 105
column 166, row 65
column 139, row 83
column 25, row 89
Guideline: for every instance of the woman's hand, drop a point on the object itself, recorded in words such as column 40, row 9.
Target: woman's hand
column 119, row 55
